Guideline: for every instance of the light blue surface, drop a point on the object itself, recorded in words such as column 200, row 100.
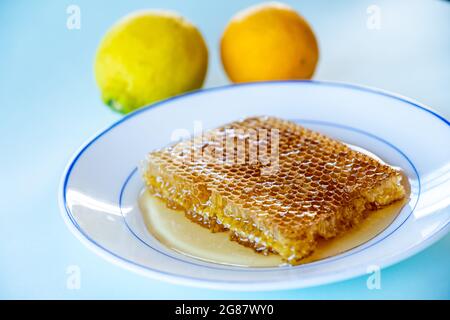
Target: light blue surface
column 51, row 106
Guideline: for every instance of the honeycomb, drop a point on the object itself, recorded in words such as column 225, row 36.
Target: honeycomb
column 273, row 185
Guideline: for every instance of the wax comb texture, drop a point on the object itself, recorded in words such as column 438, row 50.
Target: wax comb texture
column 317, row 187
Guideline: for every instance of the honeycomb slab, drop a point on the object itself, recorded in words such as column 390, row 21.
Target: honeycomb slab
column 271, row 184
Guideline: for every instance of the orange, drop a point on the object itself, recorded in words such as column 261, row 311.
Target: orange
column 268, row 42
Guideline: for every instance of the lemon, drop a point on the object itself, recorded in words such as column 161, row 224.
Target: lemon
column 149, row 56
column 268, row 42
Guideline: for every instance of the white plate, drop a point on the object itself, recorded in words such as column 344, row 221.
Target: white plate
column 99, row 189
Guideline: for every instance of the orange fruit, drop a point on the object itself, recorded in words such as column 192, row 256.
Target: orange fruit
column 268, row 42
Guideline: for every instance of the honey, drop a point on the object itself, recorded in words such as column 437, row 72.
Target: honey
column 305, row 187
column 177, row 233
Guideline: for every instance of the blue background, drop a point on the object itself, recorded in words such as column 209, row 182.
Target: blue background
column 50, row 106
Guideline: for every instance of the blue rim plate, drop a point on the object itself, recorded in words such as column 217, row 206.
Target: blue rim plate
column 100, row 186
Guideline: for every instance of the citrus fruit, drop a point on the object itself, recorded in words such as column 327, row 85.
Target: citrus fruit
column 268, row 42
column 149, row 56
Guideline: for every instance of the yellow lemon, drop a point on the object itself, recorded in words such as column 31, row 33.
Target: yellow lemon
column 149, row 56
column 268, row 42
